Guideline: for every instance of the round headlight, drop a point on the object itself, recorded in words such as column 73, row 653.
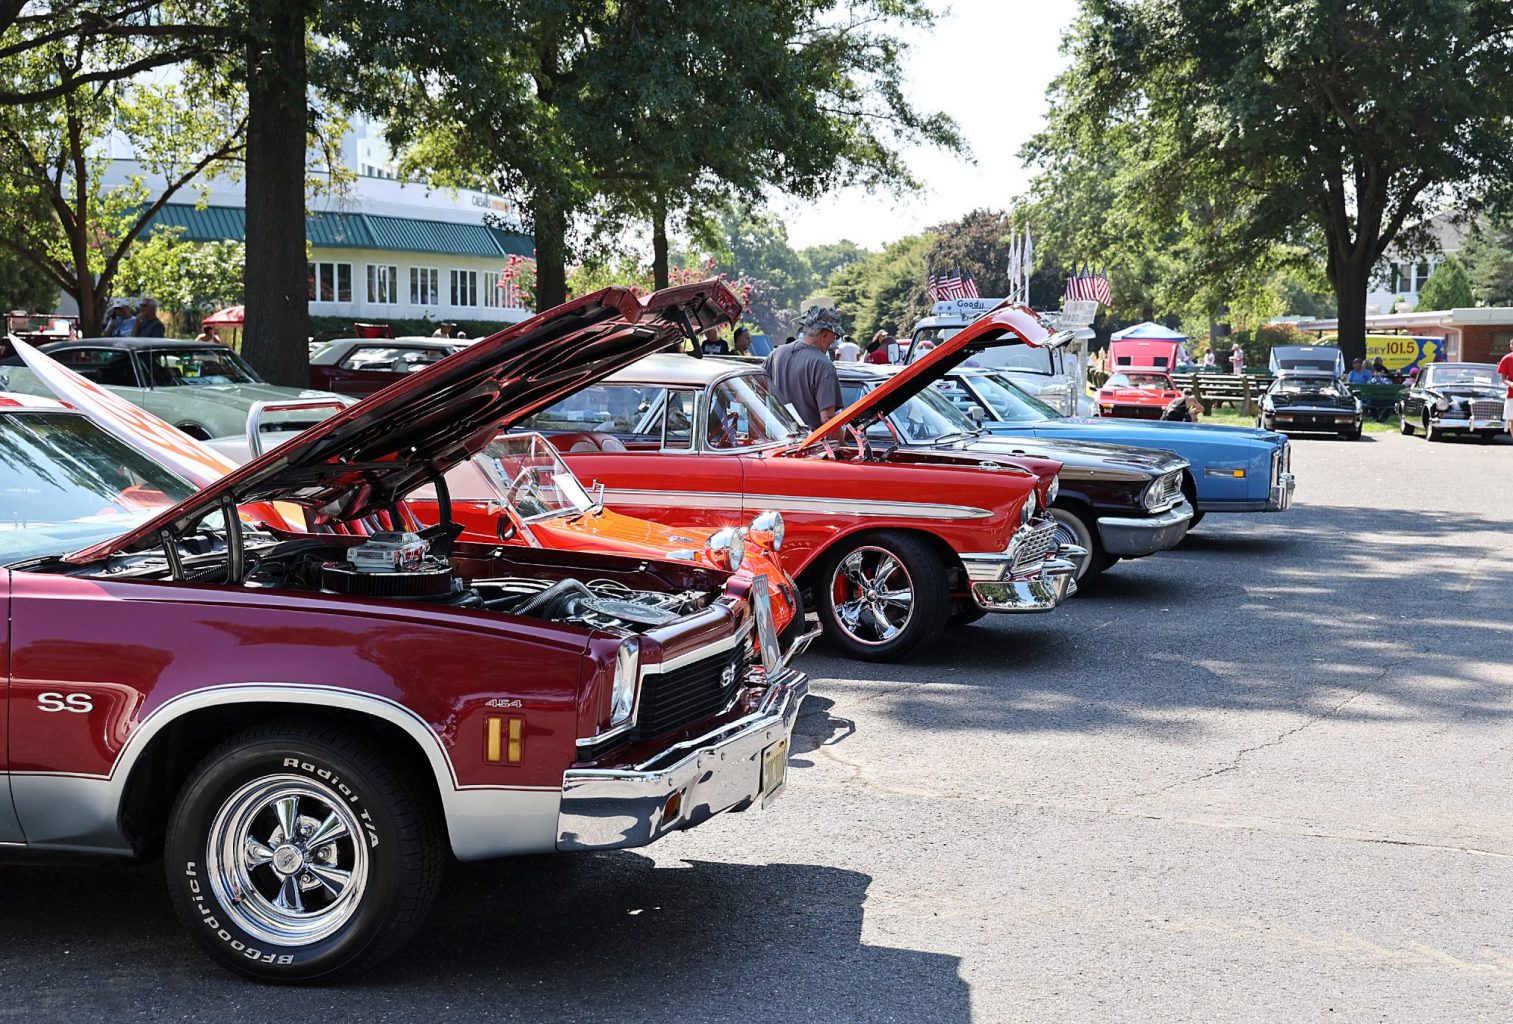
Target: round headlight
column 1027, row 510
column 1053, row 490
column 769, row 526
column 627, row 675
column 1443, row 405
column 728, row 548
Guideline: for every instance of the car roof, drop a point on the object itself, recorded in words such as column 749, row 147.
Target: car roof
column 11, row 401
column 1447, row 366
column 127, row 344
column 676, row 368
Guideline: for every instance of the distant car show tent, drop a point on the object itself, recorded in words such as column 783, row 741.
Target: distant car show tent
column 1148, row 331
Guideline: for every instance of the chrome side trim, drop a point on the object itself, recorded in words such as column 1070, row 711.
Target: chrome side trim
column 798, row 503
column 73, row 812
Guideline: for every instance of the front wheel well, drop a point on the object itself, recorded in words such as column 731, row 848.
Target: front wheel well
column 160, row 772
column 956, row 573
column 194, row 430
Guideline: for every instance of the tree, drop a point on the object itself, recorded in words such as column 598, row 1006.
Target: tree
column 184, row 277
column 1332, row 117
column 179, row 132
column 23, row 284
column 884, row 290
column 824, row 260
column 1449, row 287
column 1488, row 254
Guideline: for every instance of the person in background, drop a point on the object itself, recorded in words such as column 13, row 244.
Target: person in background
column 877, row 349
column 147, row 323
column 1237, row 358
column 1358, row 373
column 848, row 350
column 741, row 339
column 802, row 375
column 207, row 335
column 118, row 321
column 713, row 344
column 1208, row 358
column 1505, row 370
column 445, row 329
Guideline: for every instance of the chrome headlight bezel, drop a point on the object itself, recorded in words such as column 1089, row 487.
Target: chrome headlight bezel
column 627, row 681
column 769, row 526
column 1053, row 490
column 727, row 548
column 1027, row 510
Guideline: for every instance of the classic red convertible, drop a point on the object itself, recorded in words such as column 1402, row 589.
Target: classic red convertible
column 302, row 723
column 892, row 544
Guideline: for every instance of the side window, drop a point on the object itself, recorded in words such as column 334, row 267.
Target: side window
column 629, row 411
column 957, row 393
column 110, row 367
column 678, row 419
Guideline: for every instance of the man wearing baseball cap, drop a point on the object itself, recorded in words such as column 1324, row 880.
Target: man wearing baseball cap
column 802, row 374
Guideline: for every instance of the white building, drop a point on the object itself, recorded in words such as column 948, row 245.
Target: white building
column 380, row 248
column 1401, row 275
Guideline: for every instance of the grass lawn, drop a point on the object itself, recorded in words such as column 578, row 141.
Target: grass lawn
column 1232, row 417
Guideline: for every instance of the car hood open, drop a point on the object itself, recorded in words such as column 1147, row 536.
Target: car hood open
column 1005, row 324
column 364, row 458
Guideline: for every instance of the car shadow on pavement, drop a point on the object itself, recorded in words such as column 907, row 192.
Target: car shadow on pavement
column 816, row 728
column 610, row 937
column 1290, row 613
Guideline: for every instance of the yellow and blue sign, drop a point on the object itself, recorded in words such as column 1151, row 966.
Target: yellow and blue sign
column 1400, row 353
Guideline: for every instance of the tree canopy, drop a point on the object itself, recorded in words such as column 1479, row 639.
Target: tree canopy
column 1321, row 122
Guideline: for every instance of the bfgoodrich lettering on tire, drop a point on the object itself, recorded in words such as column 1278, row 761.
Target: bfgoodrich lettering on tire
column 295, row 851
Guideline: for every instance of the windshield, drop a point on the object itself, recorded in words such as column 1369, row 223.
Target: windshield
column 65, row 484
column 1007, row 401
column 525, row 472
column 172, row 367
column 1310, row 386
column 1461, row 373
column 744, row 413
column 1138, row 380
column 930, row 416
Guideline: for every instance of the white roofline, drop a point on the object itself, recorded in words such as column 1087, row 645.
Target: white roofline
column 1465, row 317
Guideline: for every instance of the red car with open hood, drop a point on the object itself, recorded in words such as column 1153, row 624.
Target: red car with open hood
column 303, row 723
column 892, row 545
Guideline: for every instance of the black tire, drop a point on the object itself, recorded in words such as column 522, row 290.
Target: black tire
column 392, row 849
column 195, row 431
column 797, row 625
column 1430, row 434
column 1076, row 523
column 1190, row 492
column 964, row 613
column 930, row 594
column 1406, row 426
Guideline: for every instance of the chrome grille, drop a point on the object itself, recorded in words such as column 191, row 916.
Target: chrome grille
column 1165, row 492
column 1036, row 543
column 1486, row 409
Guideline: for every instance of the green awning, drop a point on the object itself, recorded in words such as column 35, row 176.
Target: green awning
column 354, row 231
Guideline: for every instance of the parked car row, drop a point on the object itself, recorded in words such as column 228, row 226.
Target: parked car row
column 544, row 593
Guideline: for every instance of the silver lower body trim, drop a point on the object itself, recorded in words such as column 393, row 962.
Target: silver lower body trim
column 1130, row 537
column 617, row 808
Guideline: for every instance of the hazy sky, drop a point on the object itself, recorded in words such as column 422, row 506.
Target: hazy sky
column 987, row 63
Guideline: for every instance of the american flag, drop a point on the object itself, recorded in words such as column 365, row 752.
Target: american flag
column 968, row 286
column 1088, row 285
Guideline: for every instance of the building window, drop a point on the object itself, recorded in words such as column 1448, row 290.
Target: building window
column 1424, row 270
column 491, row 297
column 464, row 287
column 425, row 286
column 329, row 282
column 383, row 284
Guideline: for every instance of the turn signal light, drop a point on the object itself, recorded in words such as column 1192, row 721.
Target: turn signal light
column 504, row 739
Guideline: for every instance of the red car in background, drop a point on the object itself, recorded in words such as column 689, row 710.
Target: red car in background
column 1138, row 394
column 893, row 545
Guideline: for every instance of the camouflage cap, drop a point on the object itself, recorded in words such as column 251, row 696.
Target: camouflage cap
column 822, row 318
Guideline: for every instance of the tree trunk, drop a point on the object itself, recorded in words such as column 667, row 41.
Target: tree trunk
column 659, row 244
column 278, row 320
column 1351, row 277
column 551, row 252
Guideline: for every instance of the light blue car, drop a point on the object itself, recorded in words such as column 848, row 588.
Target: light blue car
column 1232, row 469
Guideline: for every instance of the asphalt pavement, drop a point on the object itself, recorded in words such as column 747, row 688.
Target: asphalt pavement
column 1264, row 777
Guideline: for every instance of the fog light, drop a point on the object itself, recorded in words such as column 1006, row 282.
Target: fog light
column 673, row 808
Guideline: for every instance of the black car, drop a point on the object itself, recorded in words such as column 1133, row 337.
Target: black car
column 1298, row 402
column 1462, row 397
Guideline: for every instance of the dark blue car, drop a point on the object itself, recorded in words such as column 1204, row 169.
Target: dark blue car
column 1233, row 469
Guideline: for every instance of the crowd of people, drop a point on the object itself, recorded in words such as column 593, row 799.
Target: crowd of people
column 121, row 321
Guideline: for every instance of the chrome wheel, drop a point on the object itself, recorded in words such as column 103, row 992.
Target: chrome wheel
column 287, row 860
column 1071, row 530
column 873, row 595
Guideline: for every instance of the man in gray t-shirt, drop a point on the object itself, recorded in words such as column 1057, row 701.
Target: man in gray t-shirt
column 802, row 374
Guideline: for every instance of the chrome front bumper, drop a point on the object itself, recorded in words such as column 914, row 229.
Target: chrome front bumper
column 615, row 808
column 1280, row 499
column 1131, row 537
column 1041, row 592
column 1446, row 423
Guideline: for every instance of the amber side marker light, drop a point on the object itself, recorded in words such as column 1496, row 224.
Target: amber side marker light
column 504, row 739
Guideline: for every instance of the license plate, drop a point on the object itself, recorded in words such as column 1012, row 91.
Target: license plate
column 774, row 767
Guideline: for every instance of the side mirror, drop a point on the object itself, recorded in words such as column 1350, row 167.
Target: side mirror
column 977, row 414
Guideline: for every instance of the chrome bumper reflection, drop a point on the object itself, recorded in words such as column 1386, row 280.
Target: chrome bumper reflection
column 1280, row 499
column 1055, row 583
column 1131, row 538
column 615, row 808
column 1448, row 423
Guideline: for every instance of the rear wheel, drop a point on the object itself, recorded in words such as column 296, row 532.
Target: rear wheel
column 883, row 596
column 296, row 851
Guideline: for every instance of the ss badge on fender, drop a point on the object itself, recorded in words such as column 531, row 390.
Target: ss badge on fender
column 77, row 703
